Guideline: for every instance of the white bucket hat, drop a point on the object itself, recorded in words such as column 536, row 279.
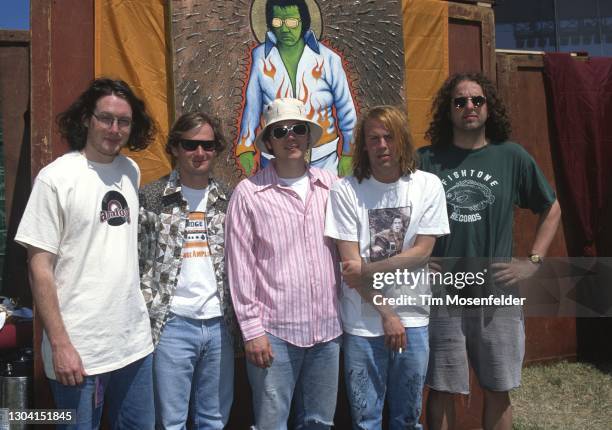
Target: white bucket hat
column 286, row 109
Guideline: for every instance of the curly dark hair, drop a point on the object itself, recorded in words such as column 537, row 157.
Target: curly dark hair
column 72, row 121
column 189, row 121
column 301, row 4
column 497, row 126
column 395, row 121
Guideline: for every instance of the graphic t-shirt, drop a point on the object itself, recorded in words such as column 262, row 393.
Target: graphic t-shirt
column 482, row 188
column 385, row 219
column 86, row 213
column 196, row 289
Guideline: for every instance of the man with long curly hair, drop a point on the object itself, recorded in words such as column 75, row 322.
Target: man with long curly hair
column 484, row 176
column 80, row 227
column 385, row 346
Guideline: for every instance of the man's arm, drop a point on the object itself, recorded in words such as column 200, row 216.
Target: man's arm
column 241, row 266
column 352, row 266
column 548, row 222
column 67, row 362
column 412, row 258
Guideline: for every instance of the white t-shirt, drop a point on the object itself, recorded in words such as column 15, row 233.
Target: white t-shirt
column 385, row 219
column 86, row 213
column 196, row 289
column 299, row 185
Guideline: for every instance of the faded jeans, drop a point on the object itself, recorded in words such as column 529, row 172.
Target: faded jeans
column 308, row 375
column 194, row 366
column 373, row 372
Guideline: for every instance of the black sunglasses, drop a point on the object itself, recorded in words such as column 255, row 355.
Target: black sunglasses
column 192, row 145
column 299, row 129
column 461, row 102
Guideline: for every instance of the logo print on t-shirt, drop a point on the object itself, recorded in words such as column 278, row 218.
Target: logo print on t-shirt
column 387, row 231
column 467, row 198
column 115, row 209
column 196, row 237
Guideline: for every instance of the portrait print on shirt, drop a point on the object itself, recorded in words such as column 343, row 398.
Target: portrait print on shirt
column 387, row 231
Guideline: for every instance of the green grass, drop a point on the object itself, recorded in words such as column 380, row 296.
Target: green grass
column 564, row 396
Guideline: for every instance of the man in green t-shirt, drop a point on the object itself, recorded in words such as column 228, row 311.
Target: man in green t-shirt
column 484, row 177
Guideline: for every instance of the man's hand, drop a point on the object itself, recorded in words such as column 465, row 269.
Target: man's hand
column 352, row 273
column 516, row 271
column 345, row 167
column 395, row 333
column 247, row 161
column 67, row 365
column 259, row 351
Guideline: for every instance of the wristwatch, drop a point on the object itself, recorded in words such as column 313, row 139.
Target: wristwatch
column 535, row 258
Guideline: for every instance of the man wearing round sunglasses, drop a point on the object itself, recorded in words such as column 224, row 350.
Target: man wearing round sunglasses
column 284, row 276
column 484, row 177
column 183, row 280
column 291, row 62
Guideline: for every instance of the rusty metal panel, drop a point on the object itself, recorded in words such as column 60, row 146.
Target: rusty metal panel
column 521, row 78
column 471, row 39
column 14, row 105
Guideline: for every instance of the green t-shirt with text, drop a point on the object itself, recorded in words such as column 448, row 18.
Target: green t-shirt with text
column 482, row 188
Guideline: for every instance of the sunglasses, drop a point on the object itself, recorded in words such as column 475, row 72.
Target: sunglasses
column 299, row 129
column 461, row 102
column 289, row 22
column 192, row 145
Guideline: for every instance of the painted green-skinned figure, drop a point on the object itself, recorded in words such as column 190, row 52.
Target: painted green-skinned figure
column 292, row 63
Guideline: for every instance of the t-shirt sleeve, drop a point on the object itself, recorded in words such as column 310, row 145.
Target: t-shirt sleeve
column 41, row 224
column 534, row 191
column 341, row 220
column 435, row 218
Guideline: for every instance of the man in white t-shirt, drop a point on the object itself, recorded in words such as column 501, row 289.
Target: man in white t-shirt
column 384, row 316
column 181, row 244
column 80, row 228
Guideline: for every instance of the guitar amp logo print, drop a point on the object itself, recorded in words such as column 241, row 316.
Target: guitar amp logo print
column 115, row 209
column 469, row 192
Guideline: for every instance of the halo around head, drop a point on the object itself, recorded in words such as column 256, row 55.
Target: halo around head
column 258, row 19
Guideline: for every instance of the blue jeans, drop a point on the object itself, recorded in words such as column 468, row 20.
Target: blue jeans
column 193, row 359
column 128, row 393
column 372, row 371
column 308, row 375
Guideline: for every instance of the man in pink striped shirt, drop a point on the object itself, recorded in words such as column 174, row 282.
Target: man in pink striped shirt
column 284, row 276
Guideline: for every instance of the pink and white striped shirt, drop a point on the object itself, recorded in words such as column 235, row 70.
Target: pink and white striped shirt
column 283, row 272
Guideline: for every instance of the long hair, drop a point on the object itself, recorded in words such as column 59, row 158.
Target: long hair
column 191, row 120
column 301, row 4
column 72, row 121
column 396, row 122
column 440, row 131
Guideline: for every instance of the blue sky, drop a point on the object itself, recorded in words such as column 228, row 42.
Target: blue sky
column 14, row 14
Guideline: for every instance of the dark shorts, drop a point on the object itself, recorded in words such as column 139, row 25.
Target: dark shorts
column 493, row 344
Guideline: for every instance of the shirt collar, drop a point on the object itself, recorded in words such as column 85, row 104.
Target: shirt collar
column 173, row 186
column 309, row 39
column 270, row 178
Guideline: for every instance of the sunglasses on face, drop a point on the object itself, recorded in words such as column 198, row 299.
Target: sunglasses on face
column 192, row 145
column 298, row 129
column 461, row 102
